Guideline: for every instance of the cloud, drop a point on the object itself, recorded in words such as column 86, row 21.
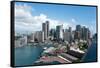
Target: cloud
column 73, row 20
column 22, row 10
column 25, row 21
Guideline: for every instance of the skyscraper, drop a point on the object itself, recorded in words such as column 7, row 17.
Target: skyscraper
column 41, row 36
column 78, row 32
column 78, row 27
column 36, row 36
column 77, row 35
column 47, row 22
column 85, row 33
column 70, row 34
column 70, row 29
column 67, row 35
column 59, row 32
column 53, row 33
column 44, row 29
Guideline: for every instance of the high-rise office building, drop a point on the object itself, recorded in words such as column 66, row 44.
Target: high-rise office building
column 47, row 22
column 88, row 34
column 78, row 27
column 70, row 29
column 44, row 29
column 78, row 32
column 59, row 32
column 77, row 35
column 36, row 36
column 85, row 33
column 66, row 35
column 53, row 33
column 70, row 34
column 39, row 36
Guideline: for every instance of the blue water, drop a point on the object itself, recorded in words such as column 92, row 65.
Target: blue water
column 91, row 55
column 27, row 55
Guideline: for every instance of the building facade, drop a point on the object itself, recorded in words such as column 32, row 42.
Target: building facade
column 59, row 32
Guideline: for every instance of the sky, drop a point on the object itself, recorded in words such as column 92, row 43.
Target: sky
column 30, row 16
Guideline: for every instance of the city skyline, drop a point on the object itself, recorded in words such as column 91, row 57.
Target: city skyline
column 30, row 16
column 52, row 34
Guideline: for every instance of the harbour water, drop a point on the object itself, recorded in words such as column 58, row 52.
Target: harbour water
column 27, row 55
column 91, row 55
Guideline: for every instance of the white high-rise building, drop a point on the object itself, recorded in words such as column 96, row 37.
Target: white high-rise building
column 39, row 36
